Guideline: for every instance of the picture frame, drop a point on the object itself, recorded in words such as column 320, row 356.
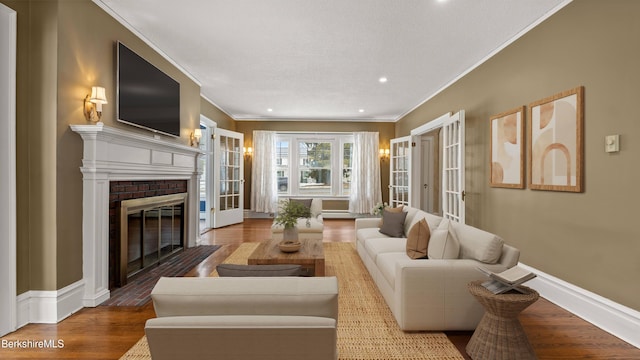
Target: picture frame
column 507, row 149
column 555, row 142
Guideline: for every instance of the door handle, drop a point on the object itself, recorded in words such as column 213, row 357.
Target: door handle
column 464, row 194
column 426, row 186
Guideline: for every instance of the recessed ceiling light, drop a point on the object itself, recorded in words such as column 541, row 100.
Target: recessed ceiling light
column 383, row 80
column 269, row 109
column 361, row 110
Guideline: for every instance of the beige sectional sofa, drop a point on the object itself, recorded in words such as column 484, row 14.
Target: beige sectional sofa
column 431, row 294
column 273, row 318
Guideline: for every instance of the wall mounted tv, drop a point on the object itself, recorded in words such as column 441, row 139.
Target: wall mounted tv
column 147, row 97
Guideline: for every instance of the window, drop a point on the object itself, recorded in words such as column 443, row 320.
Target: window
column 347, row 153
column 282, row 165
column 319, row 166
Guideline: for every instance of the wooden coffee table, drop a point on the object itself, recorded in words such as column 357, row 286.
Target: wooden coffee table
column 310, row 256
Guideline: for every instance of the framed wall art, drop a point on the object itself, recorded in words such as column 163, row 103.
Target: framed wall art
column 556, row 142
column 507, row 149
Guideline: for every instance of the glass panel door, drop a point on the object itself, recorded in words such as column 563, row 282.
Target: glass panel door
column 229, row 175
column 453, row 168
column 400, row 170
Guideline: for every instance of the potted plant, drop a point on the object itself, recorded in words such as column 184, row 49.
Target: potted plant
column 288, row 215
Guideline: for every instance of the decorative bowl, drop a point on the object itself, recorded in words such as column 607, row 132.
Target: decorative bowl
column 289, row 246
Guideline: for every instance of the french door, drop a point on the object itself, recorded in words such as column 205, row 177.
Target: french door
column 400, row 171
column 228, row 173
column 453, row 167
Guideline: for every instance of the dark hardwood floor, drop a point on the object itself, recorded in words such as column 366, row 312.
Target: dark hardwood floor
column 107, row 332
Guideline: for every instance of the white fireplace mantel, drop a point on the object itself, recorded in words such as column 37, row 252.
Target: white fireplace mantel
column 111, row 154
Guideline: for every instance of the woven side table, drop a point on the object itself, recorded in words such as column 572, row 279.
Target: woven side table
column 500, row 336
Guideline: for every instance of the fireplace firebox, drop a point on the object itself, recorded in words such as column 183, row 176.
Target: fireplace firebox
column 151, row 230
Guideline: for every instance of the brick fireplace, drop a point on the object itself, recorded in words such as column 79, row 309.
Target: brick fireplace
column 122, row 192
column 120, row 164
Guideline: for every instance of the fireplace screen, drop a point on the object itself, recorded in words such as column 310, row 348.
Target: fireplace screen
column 151, row 229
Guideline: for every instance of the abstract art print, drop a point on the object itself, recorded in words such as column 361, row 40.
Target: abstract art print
column 555, row 142
column 507, row 149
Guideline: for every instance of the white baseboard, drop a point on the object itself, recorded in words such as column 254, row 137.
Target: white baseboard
column 337, row 214
column 249, row 214
column 616, row 319
column 326, row 214
column 49, row 307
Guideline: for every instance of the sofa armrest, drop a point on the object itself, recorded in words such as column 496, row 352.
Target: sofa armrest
column 435, row 292
column 364, row 223
column 509, row 257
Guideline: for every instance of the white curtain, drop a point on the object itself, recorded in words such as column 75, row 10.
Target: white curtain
column 365, row 174
column 264, row 192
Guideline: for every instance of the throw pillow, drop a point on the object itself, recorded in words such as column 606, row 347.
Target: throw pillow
column 390, row 209
column 393, row 223
column 258, row 270
column 418, row 240
column 444, row 243
column 305, row 202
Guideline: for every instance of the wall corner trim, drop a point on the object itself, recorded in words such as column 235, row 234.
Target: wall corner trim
column 49, row 307
column 614, row 318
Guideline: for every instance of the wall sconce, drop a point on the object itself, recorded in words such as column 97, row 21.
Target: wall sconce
column 384, row 154
column 248, row 152
column 93, row 103
column 195, row 137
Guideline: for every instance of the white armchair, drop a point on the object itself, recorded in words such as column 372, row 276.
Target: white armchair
column 311, row 228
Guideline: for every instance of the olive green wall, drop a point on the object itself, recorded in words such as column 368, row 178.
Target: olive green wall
column 36, row 98
column 223, row 121
column 386, row 133
column 589, row 239
column 64, row 48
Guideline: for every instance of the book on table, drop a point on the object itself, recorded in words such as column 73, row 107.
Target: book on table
column 509, row 279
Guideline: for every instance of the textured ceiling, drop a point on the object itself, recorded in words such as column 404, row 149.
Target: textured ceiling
column 322, row 59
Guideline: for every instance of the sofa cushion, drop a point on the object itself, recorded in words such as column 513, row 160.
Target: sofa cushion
column 478, row 244
column 414, row 216
column 386, row 263
column 258, row 270
column 418, row 240
column 379, row 245
column 393, row 223
column 316, row 209
column 444, row 243
column 368, row 233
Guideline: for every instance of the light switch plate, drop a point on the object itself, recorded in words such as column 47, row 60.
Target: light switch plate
column 612, row 143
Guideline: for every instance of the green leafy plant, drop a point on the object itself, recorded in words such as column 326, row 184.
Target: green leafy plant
column 290, row 212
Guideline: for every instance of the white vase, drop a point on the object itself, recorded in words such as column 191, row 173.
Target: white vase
column 290, row 233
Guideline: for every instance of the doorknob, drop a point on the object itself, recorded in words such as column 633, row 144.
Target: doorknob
column 426, row 186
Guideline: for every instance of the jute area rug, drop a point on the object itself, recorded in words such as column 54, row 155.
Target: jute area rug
column 366, row 327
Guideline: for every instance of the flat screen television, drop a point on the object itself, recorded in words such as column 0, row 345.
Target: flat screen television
column 147, row 97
